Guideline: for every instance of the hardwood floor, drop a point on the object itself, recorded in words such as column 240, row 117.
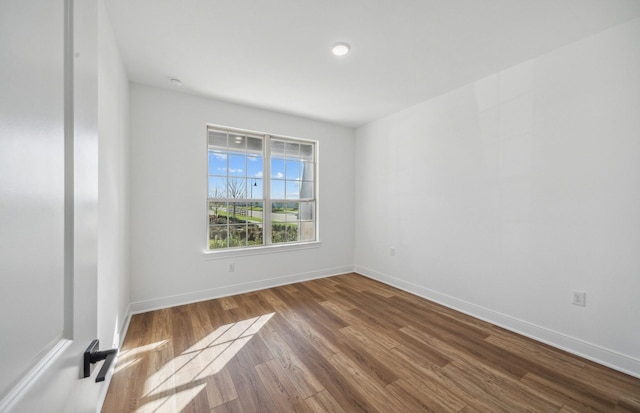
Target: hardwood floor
column 348, row 344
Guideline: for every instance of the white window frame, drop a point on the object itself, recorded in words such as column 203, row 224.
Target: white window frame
column 267, row 246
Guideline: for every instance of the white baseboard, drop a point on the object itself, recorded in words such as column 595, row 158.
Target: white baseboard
column 227, row 290
column 615, row 360
column 125, row 326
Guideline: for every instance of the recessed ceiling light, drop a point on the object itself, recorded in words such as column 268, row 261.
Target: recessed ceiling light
column 341, row 48
column 175, row 82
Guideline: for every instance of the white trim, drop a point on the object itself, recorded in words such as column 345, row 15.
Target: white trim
column 107, row 382
column 203, row 295
column 33, row 375
column 265, row 249
column 125, row 326
column 601, row 355
column 222, row 128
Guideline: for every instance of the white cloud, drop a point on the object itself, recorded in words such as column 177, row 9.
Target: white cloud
column 279, row 175
column 259, row 174
column 233, row 171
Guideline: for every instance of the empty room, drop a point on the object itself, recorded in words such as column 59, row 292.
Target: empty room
column 320, row 206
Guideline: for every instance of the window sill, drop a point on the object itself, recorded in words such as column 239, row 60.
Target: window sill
column 270, row 249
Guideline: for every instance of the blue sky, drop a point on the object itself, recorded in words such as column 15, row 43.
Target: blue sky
column 286, row 175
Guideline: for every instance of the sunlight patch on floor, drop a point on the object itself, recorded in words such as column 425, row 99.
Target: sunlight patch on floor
column 130, row 357
column 174, row 402
column 182, row 377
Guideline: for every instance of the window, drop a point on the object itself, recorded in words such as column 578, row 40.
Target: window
column 261, row 189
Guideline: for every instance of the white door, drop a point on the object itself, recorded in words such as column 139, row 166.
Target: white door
column 48, row 204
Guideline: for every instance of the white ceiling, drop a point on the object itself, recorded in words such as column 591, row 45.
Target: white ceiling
column 276, row 54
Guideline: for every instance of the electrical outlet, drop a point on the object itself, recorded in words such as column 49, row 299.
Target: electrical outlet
column 232, row 267
column 579, row 298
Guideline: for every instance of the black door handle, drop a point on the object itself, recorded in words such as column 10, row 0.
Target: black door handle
column 92, row 355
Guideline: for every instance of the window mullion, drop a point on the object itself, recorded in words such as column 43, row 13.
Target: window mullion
column 226, row 172
column 266, row 185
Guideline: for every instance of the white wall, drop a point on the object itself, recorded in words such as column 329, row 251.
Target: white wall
column 113, row 208
column 168, row 201
column 504, row 195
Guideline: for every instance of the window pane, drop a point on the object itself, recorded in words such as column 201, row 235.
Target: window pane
column 284, row 211
column 277, row 168
column 217, row 163
column 306, row 211
column 292, row 149
column 277, row 148
column 294, row 169
column 307, row 231
column 218, row 139
column 237, row 165
column 237, row 143
column 284, row 232
column 306, row 190
column 277, row 211
column 254, row 212
column 292, row 190
column 277, row 189
column 217, row 187
column 308, row 171
column 237, row 212
column 217, row 236
column 237, row 235
column 291, row 210
column 237, row 188
column 254, row 166
column 292, row 232
column 254, row 234
column 255, row 189
column 222, row 214
column 254, row 144
column 306, row 152
column 215, row 216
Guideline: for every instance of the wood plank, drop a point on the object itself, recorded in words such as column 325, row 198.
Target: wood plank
column 281, row 390
column 347, row 344
column 439, row 401
column 253, row 397
column 228, row 303
column 233, row 406
column 132, row 364
column 323, row 402
column 159, row 386
column 365, row 384
column 300, row 375
column 457, row 347
column 431, row 375
column 368, row 356
column 340, row 388
column 570, row 395
column 310, row 332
